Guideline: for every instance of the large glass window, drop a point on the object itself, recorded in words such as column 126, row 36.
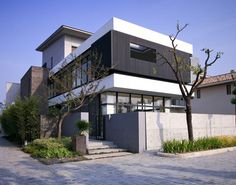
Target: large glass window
column 136, row 102
column 84, row 73
column 89, row 72
column 142, row 52
column 123, row 103
column 108, row 97
column 147, row 103
column 158, row 103
column 73, row 76
column 78, row 76
column 123, row 98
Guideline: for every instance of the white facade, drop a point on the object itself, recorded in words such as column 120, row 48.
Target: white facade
column 12, row 92
column 213, row 100
column 59, row 49
column 119, row 82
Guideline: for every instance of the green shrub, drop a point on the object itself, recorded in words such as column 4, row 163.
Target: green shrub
column 83, row 126
column 49, row 148
column 21, row 121
column 9, row 123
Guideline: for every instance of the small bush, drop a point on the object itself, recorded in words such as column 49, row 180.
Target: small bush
column 201, row 144
column 49, row 148
column 83, row 126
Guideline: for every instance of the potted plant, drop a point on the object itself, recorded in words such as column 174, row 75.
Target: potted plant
column 80, row 140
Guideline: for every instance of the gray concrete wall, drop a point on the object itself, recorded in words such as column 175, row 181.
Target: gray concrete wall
column 140, row 131
column 69, row 127
column 168, row 126
column 125, row 131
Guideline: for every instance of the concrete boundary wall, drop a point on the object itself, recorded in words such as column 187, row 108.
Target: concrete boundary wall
column 167, row 126
column 140, row 131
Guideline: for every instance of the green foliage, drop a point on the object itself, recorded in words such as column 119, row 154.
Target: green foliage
column 50, row 148
column 9, row 122
column 21, row 121
column 233, row 100
column 201, row 144
column 83, row 126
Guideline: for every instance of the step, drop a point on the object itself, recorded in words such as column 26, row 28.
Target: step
column 99, row 143
column 101, row 156
column 94, row 147
column 106, row 150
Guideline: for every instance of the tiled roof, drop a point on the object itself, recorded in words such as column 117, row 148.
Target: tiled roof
column 212, row 80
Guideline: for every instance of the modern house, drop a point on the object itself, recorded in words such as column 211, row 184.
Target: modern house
column 137, row 80
column 213, row 96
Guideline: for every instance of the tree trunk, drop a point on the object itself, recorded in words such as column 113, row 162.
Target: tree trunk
column 60, row 125
column 189, row 118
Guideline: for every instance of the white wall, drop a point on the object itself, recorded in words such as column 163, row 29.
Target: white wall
column 12, row 92
column 69, row 42
column 55, row 50
column 167, row 126
column 214, row 100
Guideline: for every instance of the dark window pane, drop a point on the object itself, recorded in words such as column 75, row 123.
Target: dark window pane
column 198, row 93
column 228, row 89
column 142, row 52
column 84, row 73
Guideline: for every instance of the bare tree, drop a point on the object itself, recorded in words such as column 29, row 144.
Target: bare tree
column 85, row 74
column 233, row 100
column 179, row 65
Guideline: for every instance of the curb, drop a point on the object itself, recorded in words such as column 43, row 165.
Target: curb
column 197, row 154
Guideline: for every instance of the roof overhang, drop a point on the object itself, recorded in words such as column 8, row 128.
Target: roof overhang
column 63, row 30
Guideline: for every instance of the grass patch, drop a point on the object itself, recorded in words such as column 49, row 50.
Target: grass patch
column 183, row 146
column 50, row 148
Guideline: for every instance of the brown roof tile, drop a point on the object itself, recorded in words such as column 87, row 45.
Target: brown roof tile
column 219, row 79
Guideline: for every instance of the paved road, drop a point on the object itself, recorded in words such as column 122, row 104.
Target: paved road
column 17, row 167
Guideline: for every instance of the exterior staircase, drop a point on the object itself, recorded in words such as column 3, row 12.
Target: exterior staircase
column 104, row 149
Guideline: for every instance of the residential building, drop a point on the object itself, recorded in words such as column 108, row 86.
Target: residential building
column 136, row 80
column 60, row 44
column 12, row 92
column 214, row 95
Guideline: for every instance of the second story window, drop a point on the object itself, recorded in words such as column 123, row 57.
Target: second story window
column 228, row 89
column 73, row 48
column 51, row 62
column 142, row 52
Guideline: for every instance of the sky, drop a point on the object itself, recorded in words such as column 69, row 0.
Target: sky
column 25, row 24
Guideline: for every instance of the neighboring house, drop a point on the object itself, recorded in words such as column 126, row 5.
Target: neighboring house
column 136, row 82
column 12, row 92
column 213, row 96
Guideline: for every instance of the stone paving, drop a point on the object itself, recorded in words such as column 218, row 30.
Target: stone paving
column 17, row 167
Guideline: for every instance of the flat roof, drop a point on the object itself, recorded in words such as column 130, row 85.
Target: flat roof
column 63, row 30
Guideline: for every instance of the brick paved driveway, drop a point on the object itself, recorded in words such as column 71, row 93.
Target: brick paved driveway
column 17, row 167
